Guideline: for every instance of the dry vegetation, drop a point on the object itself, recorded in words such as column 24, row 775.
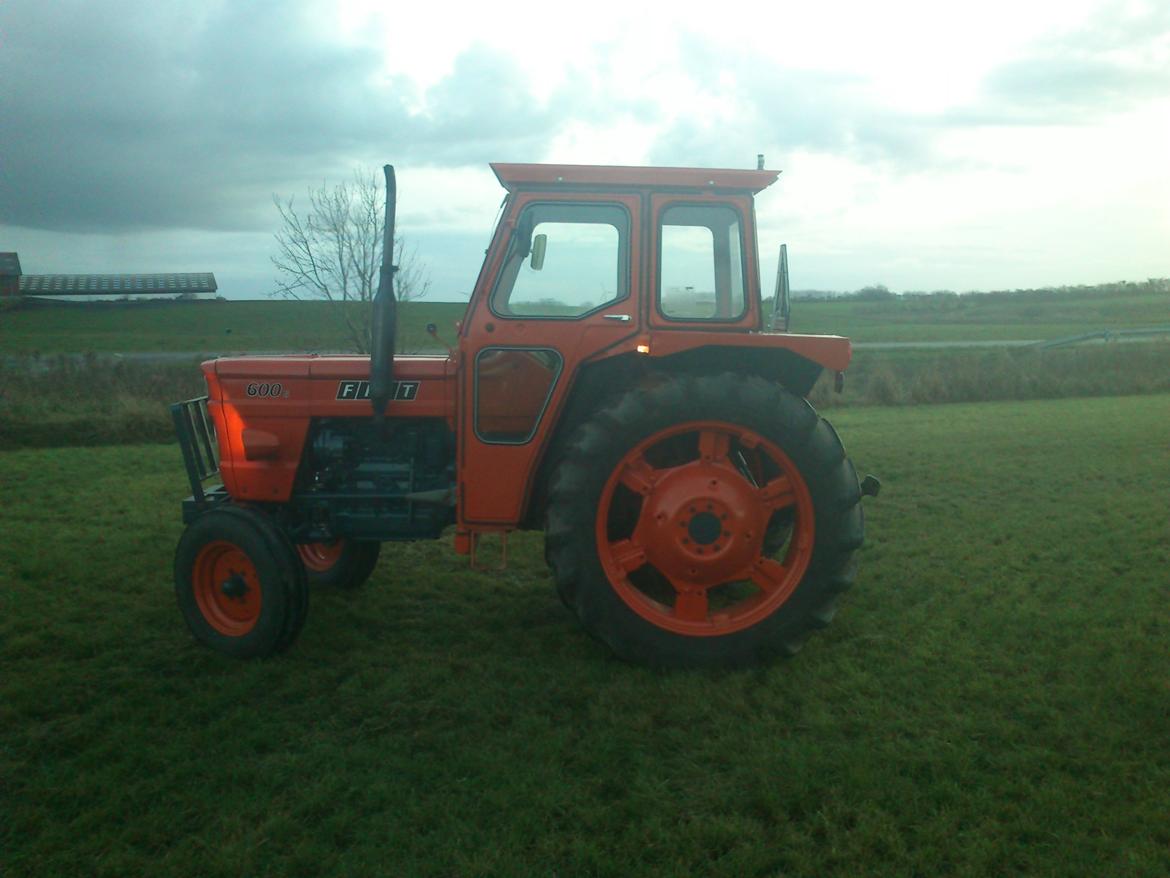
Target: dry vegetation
column 91, row 401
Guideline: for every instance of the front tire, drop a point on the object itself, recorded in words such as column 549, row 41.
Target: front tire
column 704, row 521
column 239, row 584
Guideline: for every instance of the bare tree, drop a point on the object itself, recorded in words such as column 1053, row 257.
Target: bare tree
column 333, row 251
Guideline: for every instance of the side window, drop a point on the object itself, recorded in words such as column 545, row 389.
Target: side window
column 700, row 271
column 564, row 260
column 512, row 387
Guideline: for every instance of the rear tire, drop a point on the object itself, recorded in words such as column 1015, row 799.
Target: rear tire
column 339, row 563
column 706, row 521
column 239, row 584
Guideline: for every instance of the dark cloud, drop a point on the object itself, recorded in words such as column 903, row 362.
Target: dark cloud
column 140, row 115
column 1111, row 65
column 1056, row 85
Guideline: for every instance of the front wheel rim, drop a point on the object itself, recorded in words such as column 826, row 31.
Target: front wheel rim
column 227, row 588
column 682, row 523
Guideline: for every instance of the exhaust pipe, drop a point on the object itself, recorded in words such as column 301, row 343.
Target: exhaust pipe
column 385, row 310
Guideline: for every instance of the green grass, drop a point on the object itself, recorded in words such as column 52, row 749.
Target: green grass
column 208, row 327
column 992, row 700
column 924, row 376
column 987, row 317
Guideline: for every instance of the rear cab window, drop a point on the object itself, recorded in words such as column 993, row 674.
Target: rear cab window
column 701, row 263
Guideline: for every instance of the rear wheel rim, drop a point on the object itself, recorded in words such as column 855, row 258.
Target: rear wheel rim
column 320, row 557
column 681, row 525
column 227, row 588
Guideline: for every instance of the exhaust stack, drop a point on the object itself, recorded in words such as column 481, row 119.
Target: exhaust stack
column 385, row 310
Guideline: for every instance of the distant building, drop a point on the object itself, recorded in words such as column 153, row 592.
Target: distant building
column 9, row 276
column 113, row 287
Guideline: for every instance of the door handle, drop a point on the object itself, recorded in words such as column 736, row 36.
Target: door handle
column 624, row 318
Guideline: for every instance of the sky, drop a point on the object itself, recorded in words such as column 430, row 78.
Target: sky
column 923, row 145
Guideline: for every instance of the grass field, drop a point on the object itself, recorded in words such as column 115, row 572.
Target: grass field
column 1035, row 314
column 909, row 377
column 278, row 325
column 208, row 327
column 992, row 700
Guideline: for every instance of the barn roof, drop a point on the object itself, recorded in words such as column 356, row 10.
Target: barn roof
column 117, row 284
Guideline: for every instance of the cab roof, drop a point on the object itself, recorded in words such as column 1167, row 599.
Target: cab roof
column 517, row 176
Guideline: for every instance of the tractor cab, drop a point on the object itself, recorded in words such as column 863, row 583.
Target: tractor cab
column 581, row 240
column 596, row 278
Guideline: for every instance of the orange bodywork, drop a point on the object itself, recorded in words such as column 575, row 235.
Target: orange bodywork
column 507, row 384
column 262, row 435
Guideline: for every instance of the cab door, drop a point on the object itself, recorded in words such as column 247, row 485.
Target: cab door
column 561, row 287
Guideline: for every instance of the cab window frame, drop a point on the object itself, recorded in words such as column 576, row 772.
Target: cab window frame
column 557, row 372
column 625, row 241
column 746, row 309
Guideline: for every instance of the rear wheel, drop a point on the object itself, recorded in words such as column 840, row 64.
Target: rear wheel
column 239, row 584
column 705, row 521
column 339, row 563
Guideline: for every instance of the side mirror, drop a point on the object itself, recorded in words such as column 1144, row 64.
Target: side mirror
column 539, row 245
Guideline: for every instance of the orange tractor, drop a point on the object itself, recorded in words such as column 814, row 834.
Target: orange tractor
column 614, row 383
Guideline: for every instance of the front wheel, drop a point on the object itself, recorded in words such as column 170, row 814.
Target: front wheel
column 239, row 584
column 704, row 521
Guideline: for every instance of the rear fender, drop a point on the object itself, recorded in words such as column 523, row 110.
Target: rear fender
column 795, row 366
column 794, row 372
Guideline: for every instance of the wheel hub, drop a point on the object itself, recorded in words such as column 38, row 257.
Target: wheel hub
column 705, row 528
column 235, row 587
column 703, row 523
